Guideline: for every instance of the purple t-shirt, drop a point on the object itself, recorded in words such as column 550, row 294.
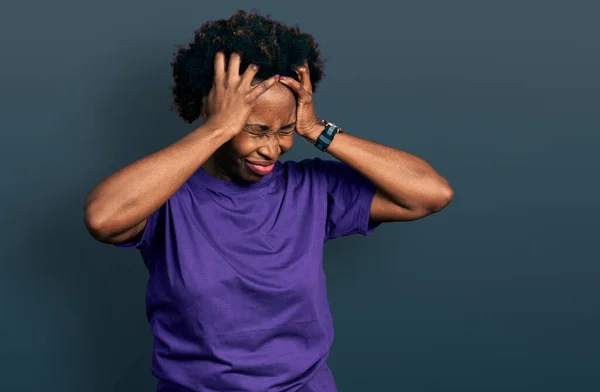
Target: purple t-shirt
column 236, row 295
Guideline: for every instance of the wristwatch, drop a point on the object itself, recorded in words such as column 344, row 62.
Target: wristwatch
column 325, row 138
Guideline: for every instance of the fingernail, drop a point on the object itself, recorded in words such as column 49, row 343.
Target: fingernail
column 277, row 76
column 282, row 77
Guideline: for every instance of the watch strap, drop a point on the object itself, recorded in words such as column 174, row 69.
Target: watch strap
column 325, row 138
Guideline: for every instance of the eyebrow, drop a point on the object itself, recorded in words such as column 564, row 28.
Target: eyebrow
column 264, row 127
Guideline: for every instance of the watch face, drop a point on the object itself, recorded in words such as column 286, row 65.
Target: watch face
column 327, row 123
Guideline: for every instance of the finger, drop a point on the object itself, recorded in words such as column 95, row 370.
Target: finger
column 262, row 87
column 219, row 77
column 295, row 85
column 233, row 67
column 249, row 75
column 304, row 75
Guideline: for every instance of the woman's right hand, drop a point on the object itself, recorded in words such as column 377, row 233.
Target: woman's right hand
column 232, row 96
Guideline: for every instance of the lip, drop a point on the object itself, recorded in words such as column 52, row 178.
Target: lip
column 260, row 168
column 261, row 163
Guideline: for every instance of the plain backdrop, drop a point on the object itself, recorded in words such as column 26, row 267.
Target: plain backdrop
column 498, row 292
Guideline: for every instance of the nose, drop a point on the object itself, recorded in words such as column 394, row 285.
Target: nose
column 270, row 149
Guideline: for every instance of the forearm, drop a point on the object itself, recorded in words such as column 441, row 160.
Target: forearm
column 407, row 180
column 128, row 196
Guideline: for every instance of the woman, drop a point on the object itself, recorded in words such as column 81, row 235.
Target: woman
column 231, row 236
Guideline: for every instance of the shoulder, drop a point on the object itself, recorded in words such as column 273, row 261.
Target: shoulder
column 334, row 173
column 313, row 166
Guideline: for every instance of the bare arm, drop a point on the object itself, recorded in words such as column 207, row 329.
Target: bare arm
column 117, row 208
column 408, row 188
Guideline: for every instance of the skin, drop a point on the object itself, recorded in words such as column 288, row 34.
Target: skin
column 117, row 208
column 267, row 135
column 408, row 188
column 255, row 121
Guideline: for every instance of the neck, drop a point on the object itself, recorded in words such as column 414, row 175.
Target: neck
column 212, row 167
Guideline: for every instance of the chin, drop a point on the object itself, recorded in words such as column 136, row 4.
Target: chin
column 249, row 176
column 245, row 175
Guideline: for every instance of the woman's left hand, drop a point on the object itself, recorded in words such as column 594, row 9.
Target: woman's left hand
column 307, row 122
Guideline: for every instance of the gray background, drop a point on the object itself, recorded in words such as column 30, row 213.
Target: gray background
column 499, row 292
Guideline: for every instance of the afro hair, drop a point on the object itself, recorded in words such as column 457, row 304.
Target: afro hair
column 275, row 47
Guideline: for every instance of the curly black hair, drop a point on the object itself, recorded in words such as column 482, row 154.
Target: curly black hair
column 275, row 47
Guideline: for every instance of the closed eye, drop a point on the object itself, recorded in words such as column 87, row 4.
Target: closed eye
column 263, row 130
column 253, row 130
column 287, row 132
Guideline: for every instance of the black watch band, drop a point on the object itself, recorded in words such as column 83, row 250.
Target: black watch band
column 325, row 138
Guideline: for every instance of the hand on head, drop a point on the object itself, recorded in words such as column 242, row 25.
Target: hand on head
column 232, row 95
column 306, row 118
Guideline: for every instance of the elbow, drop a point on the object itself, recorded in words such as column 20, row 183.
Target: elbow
column 94, row 226
column 443, row 197
column 95, row 223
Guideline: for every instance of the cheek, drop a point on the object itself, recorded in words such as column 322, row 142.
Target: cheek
column 286, row 142
column 241, row 145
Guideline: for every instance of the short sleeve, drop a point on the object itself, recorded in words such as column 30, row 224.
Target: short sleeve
column 146, row 237
column 349, row 199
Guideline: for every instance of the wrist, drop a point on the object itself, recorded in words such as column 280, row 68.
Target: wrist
column 216, row 132
column 218, row 129
column 314, row 133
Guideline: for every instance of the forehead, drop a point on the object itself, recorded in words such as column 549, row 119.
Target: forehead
column 276, row 107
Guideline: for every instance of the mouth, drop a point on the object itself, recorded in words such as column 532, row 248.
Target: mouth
column 261, row 169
